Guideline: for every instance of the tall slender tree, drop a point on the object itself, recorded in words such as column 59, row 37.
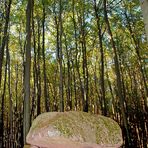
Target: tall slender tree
column 46, row 96
column 26, row 119
column 2, row 47
column 144, row 6
column 118, row 74
column 61, row 57
column 82, row 18
column 102, row 58
column 77, row 61
column 38, row 74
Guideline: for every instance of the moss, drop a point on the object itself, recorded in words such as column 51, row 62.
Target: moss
column 63, row 124
column 44, row 120
column 27, row 146
column 110, row 130
column 67, row 125
column 81, row 126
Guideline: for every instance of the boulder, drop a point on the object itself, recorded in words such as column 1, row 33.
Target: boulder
column 74, row 130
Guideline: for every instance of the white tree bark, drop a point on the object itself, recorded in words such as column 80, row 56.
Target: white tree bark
column 144, row 6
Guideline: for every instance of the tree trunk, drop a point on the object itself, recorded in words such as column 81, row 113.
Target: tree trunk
column 2, row 47
column 3, row 107
column 60, row 59
column 34, row 66
column 69, row 99
column 10, row 94
column 102, row 59
column 76, row 54
column 118, row 76
column 26, row 122
column 144, row 6
column 38, row 74
column 75, row 89
column 84, row 57
column 46, row 96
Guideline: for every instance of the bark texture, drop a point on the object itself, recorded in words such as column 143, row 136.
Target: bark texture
column 144, row 6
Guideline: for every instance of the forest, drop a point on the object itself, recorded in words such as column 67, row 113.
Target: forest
column 80, row 55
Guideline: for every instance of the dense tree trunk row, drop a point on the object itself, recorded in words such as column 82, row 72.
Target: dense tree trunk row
column 72, row 55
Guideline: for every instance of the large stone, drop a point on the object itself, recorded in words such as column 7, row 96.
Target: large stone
column 74, row 130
